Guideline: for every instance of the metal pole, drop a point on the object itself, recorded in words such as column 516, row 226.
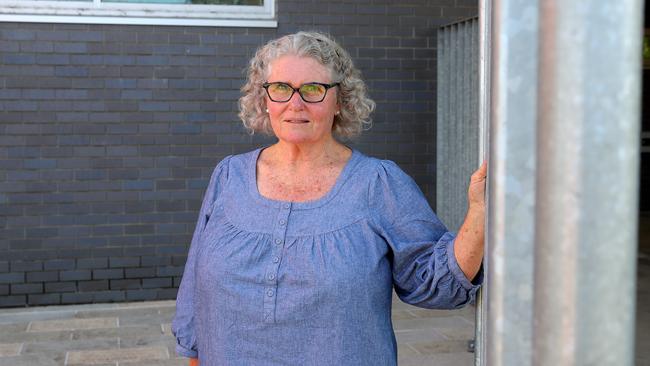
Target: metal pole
column 511, row 196
column 587, row 179
column 485, row 45
column 485, row 56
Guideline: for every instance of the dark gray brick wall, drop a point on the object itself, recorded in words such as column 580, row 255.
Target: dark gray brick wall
column 108, row 136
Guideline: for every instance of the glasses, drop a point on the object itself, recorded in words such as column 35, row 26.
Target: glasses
column 310, row 92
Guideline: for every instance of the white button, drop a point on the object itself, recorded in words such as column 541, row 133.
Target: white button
column 278, row 241
column 286, row 205
column 276, row 259
column 269, row 293
column 271, row 276
column 282, row 222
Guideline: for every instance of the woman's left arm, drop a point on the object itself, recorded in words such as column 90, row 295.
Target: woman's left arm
column 469, row 243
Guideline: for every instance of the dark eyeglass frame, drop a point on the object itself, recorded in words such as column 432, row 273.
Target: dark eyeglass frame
column 294, row 90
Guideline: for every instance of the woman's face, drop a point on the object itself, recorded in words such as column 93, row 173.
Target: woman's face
column 297, row 121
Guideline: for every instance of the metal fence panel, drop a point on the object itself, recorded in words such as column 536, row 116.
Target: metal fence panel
column 457, row 123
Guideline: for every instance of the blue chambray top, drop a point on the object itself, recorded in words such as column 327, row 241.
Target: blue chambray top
column 271, row 282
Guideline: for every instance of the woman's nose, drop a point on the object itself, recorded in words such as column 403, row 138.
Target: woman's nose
column 296, row 101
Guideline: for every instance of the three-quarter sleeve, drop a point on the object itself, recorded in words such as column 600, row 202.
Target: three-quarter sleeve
column 424, row 266
column 183, row 326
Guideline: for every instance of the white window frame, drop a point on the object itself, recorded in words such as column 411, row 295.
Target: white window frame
column 98, row 12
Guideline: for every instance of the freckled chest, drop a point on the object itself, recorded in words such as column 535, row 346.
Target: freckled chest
column 297, row 186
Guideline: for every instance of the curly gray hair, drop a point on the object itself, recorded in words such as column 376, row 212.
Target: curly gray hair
column 352, row 97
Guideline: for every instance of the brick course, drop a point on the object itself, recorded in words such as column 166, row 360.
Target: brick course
column 108, row 136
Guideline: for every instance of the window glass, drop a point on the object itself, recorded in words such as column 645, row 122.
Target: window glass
column 147, row 1
column 201, row 13
column 229, row 2
column 206, row 2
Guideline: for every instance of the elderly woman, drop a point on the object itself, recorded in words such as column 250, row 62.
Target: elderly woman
column 299, row 244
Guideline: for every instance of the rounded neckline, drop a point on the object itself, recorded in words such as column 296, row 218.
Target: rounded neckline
column 343, row 176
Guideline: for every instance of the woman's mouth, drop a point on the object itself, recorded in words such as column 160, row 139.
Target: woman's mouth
column 296, row 121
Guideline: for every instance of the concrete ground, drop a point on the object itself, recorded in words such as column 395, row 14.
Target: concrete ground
column 139, row 334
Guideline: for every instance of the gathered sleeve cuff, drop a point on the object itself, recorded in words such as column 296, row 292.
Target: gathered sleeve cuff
column 425, row 270
column 186, row 346
column 458, row 273
column 426, row 274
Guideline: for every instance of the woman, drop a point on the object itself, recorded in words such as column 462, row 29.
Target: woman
column 299, row 245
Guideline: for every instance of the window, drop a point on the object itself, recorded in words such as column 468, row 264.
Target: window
column 229, row 13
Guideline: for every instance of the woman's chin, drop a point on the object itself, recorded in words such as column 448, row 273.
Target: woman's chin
column 299, row 138
column 296, row 140
column 303, row 133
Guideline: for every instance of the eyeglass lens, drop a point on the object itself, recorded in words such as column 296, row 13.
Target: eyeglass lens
column 281, row 92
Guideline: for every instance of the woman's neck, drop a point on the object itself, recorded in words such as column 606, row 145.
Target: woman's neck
column 306, row 155
column 298, row 173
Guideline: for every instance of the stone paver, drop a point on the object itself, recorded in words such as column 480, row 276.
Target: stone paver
column 60, row 347
column 122, row 331
column 26, row 337
column 166, row 328
column 442, row 359
column 31, row 360
column 71, row 324
column 171, row 362
column 413, row 336
column 432, row 348
column 424, row 322
column 421, row 340
column 120, row 355
column 10, row 349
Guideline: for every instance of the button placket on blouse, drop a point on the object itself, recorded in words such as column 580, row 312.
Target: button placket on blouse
column 279, row 236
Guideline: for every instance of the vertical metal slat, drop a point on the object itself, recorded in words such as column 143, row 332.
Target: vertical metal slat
column 457, row 123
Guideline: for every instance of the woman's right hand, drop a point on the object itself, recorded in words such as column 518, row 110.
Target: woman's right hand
column 194, row 362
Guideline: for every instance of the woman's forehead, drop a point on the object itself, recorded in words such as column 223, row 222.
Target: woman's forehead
column 298, row 69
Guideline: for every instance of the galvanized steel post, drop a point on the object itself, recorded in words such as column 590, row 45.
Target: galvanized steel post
column 485, row 56
column 587, row 182
column 511, row 193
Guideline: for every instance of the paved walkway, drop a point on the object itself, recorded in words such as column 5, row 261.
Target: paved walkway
column 139, row 334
